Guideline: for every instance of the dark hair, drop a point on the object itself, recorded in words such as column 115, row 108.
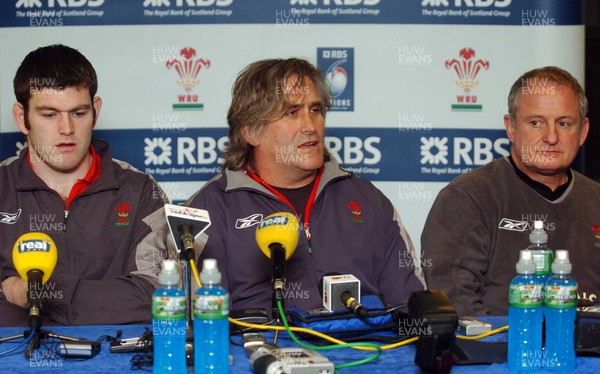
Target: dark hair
column 543, row 76
column 260, row 95
column 56, row 66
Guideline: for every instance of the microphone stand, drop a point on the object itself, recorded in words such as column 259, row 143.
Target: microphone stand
column 34, row 280
column 278, row 268
column 39, row 335
column 187, row 254
column 34, row 283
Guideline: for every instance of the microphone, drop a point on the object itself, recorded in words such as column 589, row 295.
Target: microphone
column 278, row 230
column 34, row 257
column 354, row 305
column 187, row 223
column 342, row 292
column 277, row 238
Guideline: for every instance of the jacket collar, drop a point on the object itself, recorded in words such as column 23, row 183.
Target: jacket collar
column 239, row 180
column 28, row 180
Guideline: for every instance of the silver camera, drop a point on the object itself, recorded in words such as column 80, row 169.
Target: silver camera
column 267, row 358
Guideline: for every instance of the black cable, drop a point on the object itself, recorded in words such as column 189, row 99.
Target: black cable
column 142, row 361
column 50, row 343
column 109, row 338
column 239, row 330
column 370, row 313
column 379, row 312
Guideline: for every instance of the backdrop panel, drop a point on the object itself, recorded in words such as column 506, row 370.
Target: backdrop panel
column 419, row 87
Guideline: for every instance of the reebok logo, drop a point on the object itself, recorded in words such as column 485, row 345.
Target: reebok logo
column 244, row 223
column 10, row 218
column 512, row 225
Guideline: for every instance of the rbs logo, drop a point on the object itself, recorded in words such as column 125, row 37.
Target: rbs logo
column 465, row 151
column 180, row 3
column 335, row 53
column 478, row 151
column 352, row 150
column 60, row 3
column 335, row 2
column 200, row 151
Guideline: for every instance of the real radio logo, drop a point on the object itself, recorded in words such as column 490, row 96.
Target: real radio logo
column 467, row 67
column 188, row 69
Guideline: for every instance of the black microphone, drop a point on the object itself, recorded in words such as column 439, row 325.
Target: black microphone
column 354, row 305
column 187, row 241
column 340, row 292
column 188, row 223
column 34, row 303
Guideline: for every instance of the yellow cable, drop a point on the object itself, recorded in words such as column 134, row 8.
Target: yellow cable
column 492, row 332
column 195, row 272
column 337, row 341
column 318, row 334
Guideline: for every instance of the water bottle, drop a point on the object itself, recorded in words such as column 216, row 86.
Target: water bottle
column 542, row 255
column 211, row 326
column 560, row 309
column 168, row 322
column 525, row 314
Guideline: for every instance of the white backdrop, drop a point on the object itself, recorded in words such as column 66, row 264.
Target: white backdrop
column 398, row 126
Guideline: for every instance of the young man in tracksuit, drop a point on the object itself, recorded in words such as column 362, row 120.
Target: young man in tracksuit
column 104, row 216
column 277, row 162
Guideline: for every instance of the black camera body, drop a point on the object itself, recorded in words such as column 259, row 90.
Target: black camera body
column 587, row 332
column 433, row 311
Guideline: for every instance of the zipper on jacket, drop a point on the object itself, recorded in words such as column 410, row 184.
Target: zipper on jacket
column 308, row 236
column 65, row 220
column 309, row 204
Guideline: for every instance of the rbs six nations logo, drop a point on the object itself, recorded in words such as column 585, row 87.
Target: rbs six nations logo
column 338, row 65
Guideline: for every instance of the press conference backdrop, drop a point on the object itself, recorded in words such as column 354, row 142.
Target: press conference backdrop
column 419, row 87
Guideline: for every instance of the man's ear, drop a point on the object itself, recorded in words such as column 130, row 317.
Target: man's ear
column 510, row 128
column 18, row 112
column 584, row 131
column 250, row 136
column 97, row 103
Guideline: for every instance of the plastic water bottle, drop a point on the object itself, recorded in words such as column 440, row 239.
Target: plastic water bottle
column 560, row 309
column 211, row 326
column 525, row 314
column 542, row 255
column 168, row 322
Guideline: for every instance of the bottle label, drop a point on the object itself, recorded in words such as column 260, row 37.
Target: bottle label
column 168, row 307
column 543, row 263
column 525, row 295
column 561, row 297
column 211, row 306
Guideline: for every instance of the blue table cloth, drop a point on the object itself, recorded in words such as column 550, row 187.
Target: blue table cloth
column 398, row 360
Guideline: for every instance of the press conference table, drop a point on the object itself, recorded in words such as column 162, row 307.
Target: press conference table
column 399, row 360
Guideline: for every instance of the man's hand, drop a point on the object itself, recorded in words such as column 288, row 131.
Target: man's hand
column 15, row 291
